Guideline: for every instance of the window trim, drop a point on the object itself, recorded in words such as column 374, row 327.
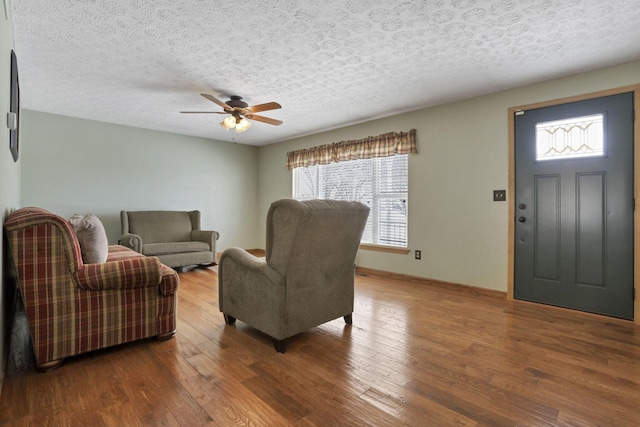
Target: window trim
column 385, row 248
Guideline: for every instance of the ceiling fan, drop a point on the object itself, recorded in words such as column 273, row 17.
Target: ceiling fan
column 239, row 112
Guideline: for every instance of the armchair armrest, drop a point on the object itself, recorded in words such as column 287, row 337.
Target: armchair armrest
column 243, row 259
column 246, row 285
column 142, row 272
column 206, row 236
column 132, row 241
column 246, row 273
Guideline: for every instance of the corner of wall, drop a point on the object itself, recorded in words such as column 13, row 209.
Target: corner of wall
column 9, row 180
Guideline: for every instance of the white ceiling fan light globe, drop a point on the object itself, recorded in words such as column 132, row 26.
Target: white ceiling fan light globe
column 229, row 122
column 242, row 125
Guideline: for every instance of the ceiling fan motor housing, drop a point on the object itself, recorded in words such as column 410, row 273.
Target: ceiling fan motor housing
column 236, row 102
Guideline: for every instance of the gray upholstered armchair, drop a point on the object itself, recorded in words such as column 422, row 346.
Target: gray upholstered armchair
column 307, row 276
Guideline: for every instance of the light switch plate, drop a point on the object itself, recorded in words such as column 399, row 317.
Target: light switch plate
column 499, row 195
column 12, row 121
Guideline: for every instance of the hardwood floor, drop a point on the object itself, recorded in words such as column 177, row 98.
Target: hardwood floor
column 417, row 354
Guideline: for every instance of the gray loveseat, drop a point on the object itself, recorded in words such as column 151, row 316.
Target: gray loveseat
column 174, row 237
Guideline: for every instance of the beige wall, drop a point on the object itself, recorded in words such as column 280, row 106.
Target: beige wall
column 74, row 165
column 462, row 158
column 9, row 179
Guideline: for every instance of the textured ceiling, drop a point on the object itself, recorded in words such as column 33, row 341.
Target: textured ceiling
column 329, row 63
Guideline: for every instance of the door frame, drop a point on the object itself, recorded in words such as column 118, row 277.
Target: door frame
column 636, row 183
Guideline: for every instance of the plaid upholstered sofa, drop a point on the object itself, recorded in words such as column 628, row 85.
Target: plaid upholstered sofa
column 72, row 307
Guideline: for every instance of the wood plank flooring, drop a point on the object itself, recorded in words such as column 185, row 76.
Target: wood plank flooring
column 417, row 354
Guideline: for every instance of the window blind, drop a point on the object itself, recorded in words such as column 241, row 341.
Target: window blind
column 381, row 183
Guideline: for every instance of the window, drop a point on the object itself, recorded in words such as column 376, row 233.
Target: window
column 381, row 183
column 570, row 138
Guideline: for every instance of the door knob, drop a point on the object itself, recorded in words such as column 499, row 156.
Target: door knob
column 521, row 219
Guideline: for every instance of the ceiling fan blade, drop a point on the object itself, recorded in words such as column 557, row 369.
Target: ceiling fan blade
column 216, row 100
column 203, row 112
column 265, row 119
column 264, row 107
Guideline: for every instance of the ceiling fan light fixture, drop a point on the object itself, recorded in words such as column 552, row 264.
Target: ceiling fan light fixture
column 229, row 123
column 242, row 125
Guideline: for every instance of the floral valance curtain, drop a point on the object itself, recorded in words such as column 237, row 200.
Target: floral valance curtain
column 384, row 145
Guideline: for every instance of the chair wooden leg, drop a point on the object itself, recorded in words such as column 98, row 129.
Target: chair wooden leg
column 49, row 366
column 348, row 319
column 165, row 336
column 229, row 320
column 279, row 345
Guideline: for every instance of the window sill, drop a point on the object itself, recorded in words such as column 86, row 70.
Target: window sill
column 382, row 248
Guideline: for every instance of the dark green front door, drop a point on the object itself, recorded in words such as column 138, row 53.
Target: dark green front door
column 574, row 205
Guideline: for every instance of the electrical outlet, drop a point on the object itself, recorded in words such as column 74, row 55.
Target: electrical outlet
column 418, row 254
column 499, row 195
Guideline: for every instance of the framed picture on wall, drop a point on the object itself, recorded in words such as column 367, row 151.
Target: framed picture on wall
column 14, row 111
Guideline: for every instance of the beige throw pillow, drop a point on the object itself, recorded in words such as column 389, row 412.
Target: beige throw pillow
column 92, row 238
